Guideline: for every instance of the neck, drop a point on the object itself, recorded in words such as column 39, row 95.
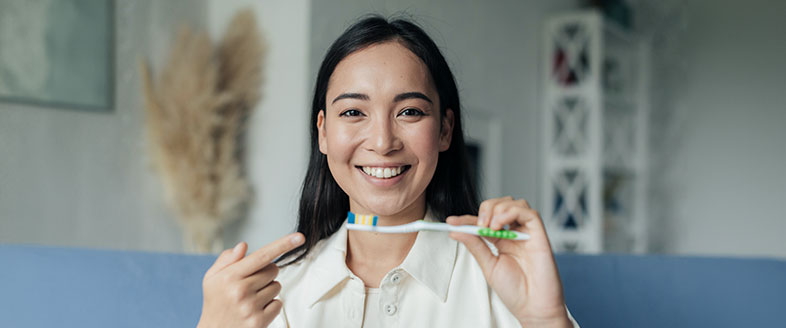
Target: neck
column 371, row 255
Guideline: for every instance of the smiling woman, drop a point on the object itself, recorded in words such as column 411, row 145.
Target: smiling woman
column 387, row 139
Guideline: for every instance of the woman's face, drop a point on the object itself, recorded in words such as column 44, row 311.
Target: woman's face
column 381, row 129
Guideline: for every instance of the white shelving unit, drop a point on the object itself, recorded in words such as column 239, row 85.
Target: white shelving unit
column 595, row 135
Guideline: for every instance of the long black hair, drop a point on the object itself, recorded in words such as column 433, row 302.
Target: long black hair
column 323, row 204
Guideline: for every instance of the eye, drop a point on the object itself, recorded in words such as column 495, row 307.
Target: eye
column 412, row 112
column 351, row 112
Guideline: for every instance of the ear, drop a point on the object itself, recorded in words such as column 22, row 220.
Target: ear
column 446, row 133
column 321, row 132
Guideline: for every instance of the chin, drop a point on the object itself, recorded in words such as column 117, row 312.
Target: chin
column 385, row 207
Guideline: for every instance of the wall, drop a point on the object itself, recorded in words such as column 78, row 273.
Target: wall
column 723, row 174
column 493, row 48
column 278, row 130
column 80, row 178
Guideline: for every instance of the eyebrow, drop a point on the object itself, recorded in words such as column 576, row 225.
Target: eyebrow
column 399, row 97
column 411, row 95
column 359, row 96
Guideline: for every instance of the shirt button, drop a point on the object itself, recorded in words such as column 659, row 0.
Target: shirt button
column 390, row 309
column 395, row 278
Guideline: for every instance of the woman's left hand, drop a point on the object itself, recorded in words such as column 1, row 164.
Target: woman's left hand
column 524, row 274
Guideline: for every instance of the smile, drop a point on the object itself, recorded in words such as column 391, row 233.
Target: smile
column 383, row 172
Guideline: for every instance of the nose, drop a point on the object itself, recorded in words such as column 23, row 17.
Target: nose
column 383, row 138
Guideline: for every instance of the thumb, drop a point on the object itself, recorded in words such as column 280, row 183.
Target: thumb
column 228, row 257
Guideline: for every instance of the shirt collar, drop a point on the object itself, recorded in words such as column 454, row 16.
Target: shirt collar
column 329, row 266
column 430, row 262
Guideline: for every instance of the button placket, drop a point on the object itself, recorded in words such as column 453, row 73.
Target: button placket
column 391, row 288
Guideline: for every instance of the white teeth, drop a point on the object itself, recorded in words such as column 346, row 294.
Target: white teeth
column 383, row 173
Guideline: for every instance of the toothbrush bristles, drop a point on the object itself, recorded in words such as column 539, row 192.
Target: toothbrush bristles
column 369, row 220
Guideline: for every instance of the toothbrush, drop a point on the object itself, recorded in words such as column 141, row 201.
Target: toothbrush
column 369, row 223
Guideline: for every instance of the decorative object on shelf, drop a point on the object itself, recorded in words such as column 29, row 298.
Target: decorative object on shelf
column 197, row 111
column 57, row 53
column 595, row 119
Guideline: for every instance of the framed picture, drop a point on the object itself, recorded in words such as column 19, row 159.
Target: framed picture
column 57, row 53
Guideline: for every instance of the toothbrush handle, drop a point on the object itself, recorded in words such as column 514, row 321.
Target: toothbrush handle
column 487, row 232
column 478, row 231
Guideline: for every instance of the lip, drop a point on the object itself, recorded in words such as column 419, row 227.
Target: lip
column 386, row 164
column 382, row 182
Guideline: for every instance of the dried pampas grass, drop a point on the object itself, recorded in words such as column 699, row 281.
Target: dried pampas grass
column 197, row 111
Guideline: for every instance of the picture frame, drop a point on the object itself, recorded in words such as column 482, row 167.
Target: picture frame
column 57, row 53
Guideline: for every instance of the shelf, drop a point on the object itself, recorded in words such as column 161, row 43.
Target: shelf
column 606, row 177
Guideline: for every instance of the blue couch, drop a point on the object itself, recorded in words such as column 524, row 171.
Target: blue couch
column 66, row 287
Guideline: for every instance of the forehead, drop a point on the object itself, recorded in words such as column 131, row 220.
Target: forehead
column 387, row 67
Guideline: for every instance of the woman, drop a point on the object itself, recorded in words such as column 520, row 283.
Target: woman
column 387, row 140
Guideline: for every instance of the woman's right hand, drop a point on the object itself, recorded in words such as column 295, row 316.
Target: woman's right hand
column 239, row 291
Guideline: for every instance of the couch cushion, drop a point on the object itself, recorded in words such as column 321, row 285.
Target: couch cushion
column 66, row 287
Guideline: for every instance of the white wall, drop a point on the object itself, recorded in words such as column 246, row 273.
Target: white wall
column 724, row 174
column 80, row 178
column 493, row 48
column 278, row 131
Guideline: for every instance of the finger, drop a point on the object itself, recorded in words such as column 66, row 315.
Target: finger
column 524, row 202
column 514, row 214
column 228, row 257
column 265, row 255
column 271, row 310
column 263, row 277
column 267, row 294
column 479, row 250
column 523, row 220
column 462, row 220
column 504, row 213
column 486, row 209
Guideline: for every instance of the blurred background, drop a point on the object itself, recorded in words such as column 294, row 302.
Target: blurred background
column 632, row 126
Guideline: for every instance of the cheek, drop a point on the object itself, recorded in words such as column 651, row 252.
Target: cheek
column 341, row 143
column 424, row 142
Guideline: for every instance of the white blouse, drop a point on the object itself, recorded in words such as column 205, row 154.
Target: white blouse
column 439, row 284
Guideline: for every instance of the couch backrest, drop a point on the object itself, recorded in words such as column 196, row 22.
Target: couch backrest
column 670, row 291
column 66, row 287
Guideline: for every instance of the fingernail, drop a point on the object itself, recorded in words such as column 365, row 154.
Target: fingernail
column 482, row 219
column 237, row 248
column 296, row 239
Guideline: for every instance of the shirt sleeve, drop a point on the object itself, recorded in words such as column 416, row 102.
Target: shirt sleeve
column 572, row 320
